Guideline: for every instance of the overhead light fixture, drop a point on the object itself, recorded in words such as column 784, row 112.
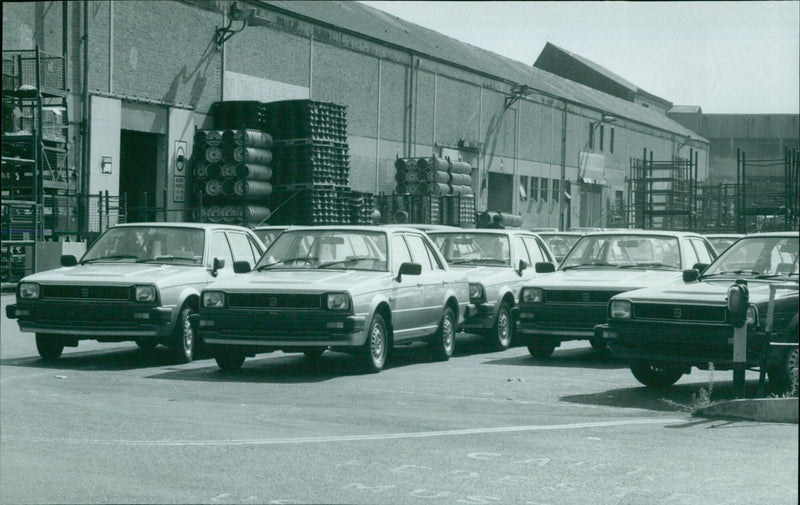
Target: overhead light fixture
column 237, row 13
column 517, row 92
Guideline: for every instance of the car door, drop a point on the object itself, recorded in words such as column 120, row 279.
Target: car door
column 243, row 248
column 219, row 248
column 429, row 282
column 405, row 294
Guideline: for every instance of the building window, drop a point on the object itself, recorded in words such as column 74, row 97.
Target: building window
column 591, row 135
column 544, row 189
column 567, row 190
column 556, row 192
column 534, row 188
column 523, row 188
column 611, row 141
column 602, row 131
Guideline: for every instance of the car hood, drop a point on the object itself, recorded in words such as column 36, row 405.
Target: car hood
column 713, row 292
column 602, row 279
column 302, row 281
column 116, row 274
column 483, row 273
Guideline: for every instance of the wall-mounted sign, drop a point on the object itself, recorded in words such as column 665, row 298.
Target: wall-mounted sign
column 179, row 189
column 180, row 156
column 105, row 165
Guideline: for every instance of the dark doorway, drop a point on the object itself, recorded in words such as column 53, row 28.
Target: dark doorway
column 138, row 152
column 501, row 192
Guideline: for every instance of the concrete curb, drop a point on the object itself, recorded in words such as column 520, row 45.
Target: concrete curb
column 772, row 410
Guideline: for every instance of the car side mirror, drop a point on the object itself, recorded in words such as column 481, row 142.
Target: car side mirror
column 68, row 260
column 523, row 265
column 241, row 267
column 544, row 267
column 691, row 275
column 409, row 269
column 700, row 267
column 218, row 264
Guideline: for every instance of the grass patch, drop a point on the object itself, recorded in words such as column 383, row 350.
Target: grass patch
column 700, row 400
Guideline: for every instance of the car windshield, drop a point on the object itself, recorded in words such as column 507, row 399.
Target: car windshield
column 721, row 243
column 758, row 257
column 268, row 235
column 560, row 244
column 473, row 248
column 333, row 249
column 624, row 251
column 148, row 244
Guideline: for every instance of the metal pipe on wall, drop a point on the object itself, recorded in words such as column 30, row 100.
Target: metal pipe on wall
column 561, row 201
column 378, row 129
column 85, row 119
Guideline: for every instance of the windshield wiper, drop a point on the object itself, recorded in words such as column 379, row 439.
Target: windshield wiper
column 592, row 264
column 304, row 259
column 353, row 259
column 649, row 265
column 733, row 272
column 168, row 258
column 492, row 261
column 111, row 257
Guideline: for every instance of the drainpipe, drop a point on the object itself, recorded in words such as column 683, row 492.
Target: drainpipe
column 561, row 199
column 85, row 119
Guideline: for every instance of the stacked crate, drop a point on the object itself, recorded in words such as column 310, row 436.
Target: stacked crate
column 232, row 175
column 312, row 162
column 440, row 190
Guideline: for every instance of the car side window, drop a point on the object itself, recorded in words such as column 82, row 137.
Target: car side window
column 435, row 261
column 400, row 252
column 545, row 252
column 257, row 252
column 242, row 251
column 703, row 256
column 522, row 252
column 220, row 249
column 419, row 253
column 534, row 251
column 691, row 256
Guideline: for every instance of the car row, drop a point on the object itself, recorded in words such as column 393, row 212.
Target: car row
column 655, row 298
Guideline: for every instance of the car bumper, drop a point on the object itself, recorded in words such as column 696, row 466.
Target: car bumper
column 279, row 330
column 479, row 317
column 559, row 322
column 690, row 344
column 92, row 320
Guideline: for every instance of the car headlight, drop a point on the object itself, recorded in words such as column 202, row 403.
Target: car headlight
column 752, row 316
column 29, row 290
column 213, row 299
column 337, row 301
column 532, row 295
column 146, row 293
column 620, row 309
column 476, row 291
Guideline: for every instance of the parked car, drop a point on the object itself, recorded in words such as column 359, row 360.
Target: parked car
column 356, row 289
column 722, row 241
column 560, row 242
column 568, row 304
column 137, row 282
column 497, row 264
column 665, row 331
column 268, row 233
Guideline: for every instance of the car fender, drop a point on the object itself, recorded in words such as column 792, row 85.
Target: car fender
column 462, row 298
column 188, row 293
column 374, row 304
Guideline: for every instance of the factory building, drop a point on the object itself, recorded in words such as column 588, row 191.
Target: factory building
column 139, row 77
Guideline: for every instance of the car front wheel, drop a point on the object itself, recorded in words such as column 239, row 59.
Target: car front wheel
column 183, row 340
column 443, row 341
column 373, row 353
column 49, row 346
column 229, row 360
column 503, row 329
column 784, row 375
column 541, row 348
column 655, row 376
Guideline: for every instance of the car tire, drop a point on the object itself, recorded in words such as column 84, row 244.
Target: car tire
column 146, row 344
column 443, row 342
column 541, row 347
column 183, row 339
column 229, row 360
column 654, row 376
column 314, row 353
column 376, row 348
column 49, row 346
column 784, row 375
column 501, row 335
column 598, row 343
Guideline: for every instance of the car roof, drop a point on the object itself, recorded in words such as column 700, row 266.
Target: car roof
column 559, row 233
column 494, row 231
column 653, row 233
column 203, row 226
column 787, row 233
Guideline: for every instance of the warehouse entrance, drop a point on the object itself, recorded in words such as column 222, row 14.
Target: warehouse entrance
column 137, row 173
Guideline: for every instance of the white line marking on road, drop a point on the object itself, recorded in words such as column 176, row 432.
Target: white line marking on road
column 348, row 438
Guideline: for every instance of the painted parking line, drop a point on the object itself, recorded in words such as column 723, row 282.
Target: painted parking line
column 350, row 438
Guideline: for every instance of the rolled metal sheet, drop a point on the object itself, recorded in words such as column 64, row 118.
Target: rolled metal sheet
column 460, row 167
column 438, row 188
column 437, row 176
column 228, row 170
column 212, row 154
column 252, row 189
column 252, row 155
column 457, row 179
column 253, row 172
column 461, row 190
column 213, row 187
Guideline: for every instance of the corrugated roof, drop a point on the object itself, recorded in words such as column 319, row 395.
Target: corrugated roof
column 685, row 109
column 361, row 19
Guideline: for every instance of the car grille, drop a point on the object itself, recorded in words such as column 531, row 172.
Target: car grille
column 676, row 312
column 680, row 339
column 274, row 301
column 566, row 318
column 120, row 293
column 579, row 296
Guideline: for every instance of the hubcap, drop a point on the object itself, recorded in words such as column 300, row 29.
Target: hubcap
column 503, row 329
column 376, row 343
column 188, row 334
column 791, row 361
column 448, row 335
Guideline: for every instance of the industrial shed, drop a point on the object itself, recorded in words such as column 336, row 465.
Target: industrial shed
column 545, row 147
